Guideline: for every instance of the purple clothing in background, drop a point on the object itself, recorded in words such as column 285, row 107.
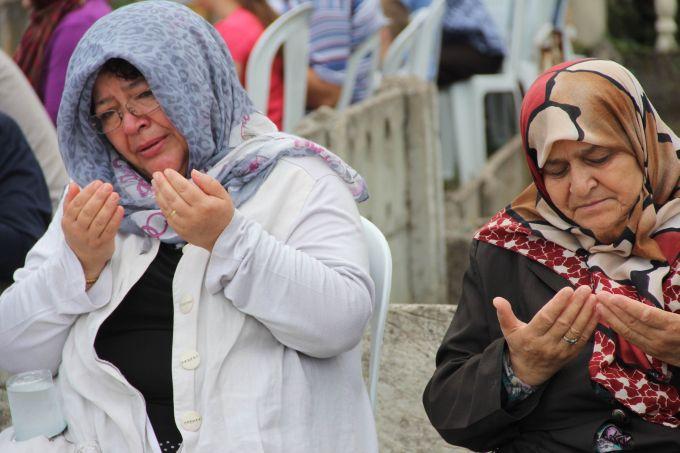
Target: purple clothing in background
column 61, row 45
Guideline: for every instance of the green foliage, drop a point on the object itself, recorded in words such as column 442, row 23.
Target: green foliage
column 119, row 3
column 631, row 24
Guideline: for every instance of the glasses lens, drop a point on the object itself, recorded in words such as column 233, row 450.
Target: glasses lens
column 144, row 103
column 106, row 121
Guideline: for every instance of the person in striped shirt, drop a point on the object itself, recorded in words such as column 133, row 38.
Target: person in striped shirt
column 337, row 28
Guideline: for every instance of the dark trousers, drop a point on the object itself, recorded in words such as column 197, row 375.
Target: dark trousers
column 459, row 60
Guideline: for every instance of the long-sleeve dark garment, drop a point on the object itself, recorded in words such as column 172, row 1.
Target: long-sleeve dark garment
column 137, row 339
column 465, row 398
column 25, row 208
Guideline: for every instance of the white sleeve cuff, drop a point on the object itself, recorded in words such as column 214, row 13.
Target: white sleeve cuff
column 224, row 260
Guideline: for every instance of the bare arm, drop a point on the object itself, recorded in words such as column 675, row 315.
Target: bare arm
column 320, row 92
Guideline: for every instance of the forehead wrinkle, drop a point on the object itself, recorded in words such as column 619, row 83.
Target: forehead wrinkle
column 581, row 152
column 126, row 87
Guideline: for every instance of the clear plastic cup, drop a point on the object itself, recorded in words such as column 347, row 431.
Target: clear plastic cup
column 34, row 405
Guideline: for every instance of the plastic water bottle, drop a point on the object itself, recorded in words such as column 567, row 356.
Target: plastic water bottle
column 34, row 405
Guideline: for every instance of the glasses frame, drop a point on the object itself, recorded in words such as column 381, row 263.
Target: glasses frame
column 94, row 118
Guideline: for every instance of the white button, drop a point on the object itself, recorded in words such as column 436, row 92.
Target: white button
column 186, row 304
column 191, row 421
column 190, row 360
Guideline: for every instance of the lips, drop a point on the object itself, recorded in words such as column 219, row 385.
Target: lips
column 151, row 147
column 591, row 204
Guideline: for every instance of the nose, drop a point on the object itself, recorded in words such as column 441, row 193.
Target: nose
column 133, row 124
column 582, row 182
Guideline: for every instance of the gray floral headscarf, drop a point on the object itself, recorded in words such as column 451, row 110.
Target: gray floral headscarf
column 192, row 74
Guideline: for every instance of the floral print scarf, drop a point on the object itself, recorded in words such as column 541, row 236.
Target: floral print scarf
column 192, row 74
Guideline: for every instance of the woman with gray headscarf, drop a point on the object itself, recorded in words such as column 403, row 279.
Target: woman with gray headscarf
column 205, row 282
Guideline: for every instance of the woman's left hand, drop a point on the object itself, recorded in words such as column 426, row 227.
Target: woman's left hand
column 197, row 212
column 655, row 331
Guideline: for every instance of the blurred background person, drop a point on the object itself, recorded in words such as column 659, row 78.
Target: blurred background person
column 24, row 202
column 240, row 23
column 19, row 101
column 54, row 29
column 471, row 43
column 337, row 28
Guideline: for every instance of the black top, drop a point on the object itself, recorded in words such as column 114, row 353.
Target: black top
column 137, row 338
column 25, row 208
column 464, row 399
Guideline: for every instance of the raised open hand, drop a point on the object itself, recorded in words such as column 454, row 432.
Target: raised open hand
column 655, row 331
column 553, row 337
column 91, row 220
column 197, row 212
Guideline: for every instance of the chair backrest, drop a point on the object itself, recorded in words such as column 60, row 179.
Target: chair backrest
column 399, row 58
column 380, row 265
column 428, row 42
column 370, row 48
column 290, row 31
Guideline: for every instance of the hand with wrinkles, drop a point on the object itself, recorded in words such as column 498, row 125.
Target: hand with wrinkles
column 553, row 337
column 655, row 331
column 198, row 212
column 91, row 220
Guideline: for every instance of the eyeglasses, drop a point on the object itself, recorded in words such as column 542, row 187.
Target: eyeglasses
column 108, row 121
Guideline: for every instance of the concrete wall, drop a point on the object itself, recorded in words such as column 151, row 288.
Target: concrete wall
column 469, row 207
column 392, row 140
column 412, row 336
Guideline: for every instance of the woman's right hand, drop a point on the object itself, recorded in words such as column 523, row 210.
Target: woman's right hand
column 540, row 348
column 91, row 220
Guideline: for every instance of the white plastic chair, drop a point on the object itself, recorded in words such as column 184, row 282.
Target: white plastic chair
column 399, row 58
column 545, row 15
column 428, row 43
column 466, row 149
column 416, row 48
column 370, row 48
column 290, row 31
column 380, row 265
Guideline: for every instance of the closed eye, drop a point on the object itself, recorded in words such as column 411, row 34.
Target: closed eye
column 148, row 94
column 107, row 115
column 599, row 160
column 555, row 171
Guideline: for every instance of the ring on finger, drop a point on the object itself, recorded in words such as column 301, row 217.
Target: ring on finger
column 172, row 213
column 569, row 340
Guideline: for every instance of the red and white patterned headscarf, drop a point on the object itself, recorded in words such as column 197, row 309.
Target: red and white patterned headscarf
column 601, row 103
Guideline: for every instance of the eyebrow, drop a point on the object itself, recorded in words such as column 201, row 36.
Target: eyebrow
column 127, row 87
column 582, row 152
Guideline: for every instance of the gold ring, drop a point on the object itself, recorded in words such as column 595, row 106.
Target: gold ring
column 571, row 341
column 172, row 213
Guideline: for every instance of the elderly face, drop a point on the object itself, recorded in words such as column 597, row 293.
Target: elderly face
column 595, row 187
column 149, row 142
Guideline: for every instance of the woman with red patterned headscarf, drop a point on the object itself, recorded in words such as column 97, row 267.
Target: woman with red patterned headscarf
column 46, row 46
column 567, row 335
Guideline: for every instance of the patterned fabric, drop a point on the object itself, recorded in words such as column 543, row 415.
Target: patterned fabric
column 30, row 55
column 601, row 103
column 611, row 437
column 191, row 73
column 514, row 387
column 338, row 28
column 169, row 447
column 470, row 18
